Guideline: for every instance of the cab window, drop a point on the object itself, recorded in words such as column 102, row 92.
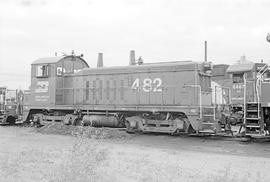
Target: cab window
column 42, row 71
column 69, row 66
column 238, row 78
column 266, row 74
column 60, row 71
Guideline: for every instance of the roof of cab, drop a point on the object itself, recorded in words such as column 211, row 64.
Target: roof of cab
column 55, row 59
column 242, row 65
column 239, row 68
column 146, row 67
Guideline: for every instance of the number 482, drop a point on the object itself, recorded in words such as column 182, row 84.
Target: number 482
column 148, row 84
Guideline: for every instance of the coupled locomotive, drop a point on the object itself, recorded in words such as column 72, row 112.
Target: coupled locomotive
column 167, row 97
column 249, row 91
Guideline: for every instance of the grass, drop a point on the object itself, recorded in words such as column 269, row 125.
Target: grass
column 9, row 169
column 86, row 131
column 88, row 160
column 82, row 164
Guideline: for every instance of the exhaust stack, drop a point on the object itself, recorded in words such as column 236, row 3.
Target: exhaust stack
column 132, row 58
column 205, row 51
column 100, row 60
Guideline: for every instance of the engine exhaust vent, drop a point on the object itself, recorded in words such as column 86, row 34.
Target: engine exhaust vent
column 100, row 60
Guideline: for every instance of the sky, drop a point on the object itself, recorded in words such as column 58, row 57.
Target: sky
column 158, row 30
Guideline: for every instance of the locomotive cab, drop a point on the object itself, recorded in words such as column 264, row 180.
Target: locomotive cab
column 50, row 77
column 244, row 77
column 246, row 94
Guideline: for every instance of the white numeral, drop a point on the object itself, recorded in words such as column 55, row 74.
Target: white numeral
column 158, row 83
column 148, row 85
column 136, row 84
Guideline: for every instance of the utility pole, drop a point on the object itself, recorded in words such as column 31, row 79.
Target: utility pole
column 205, row 51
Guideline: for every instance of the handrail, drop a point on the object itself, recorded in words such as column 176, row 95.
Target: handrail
column 263, row 69
column 245, row 95
column 258, row 84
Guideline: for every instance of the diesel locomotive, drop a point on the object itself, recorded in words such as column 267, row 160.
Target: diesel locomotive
column 167, row 97
column 249, row 91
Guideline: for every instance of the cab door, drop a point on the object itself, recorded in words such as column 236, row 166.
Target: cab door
column 238, row 88
column 42, row 85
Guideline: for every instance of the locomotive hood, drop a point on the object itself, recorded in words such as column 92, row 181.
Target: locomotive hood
column 146, row 67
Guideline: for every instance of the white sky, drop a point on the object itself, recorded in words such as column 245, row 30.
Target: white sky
column 158, row 30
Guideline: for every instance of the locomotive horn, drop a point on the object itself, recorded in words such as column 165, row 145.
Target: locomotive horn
column 100, row 60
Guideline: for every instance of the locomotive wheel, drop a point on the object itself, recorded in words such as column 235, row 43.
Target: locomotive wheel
column 70, row 119
column 38, row 119
column 77, row 122
column 128, row 128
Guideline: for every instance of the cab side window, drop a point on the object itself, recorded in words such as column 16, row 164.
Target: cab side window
column 42, row 71
column 60, row 70
column 266, row 74
column 238, row 78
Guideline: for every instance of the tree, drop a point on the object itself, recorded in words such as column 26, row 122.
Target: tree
column 268, row 37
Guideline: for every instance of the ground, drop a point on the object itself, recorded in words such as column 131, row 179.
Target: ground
column 30, row 154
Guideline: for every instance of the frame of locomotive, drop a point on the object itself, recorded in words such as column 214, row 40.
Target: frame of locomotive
column 167, row 97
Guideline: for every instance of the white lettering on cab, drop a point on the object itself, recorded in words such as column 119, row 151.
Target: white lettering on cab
column 42, row 87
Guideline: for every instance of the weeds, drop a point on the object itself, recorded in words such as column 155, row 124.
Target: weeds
column 83, row 163
column 9, row 168
column 87, row 131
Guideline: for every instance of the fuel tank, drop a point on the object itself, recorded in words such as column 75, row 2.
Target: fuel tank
column 101, row 121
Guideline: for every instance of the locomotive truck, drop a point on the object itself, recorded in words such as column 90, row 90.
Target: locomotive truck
column 167, row 97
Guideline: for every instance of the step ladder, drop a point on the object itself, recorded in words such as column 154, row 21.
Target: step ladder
column 253, row 123
column 208, row 120
column 253, row 116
